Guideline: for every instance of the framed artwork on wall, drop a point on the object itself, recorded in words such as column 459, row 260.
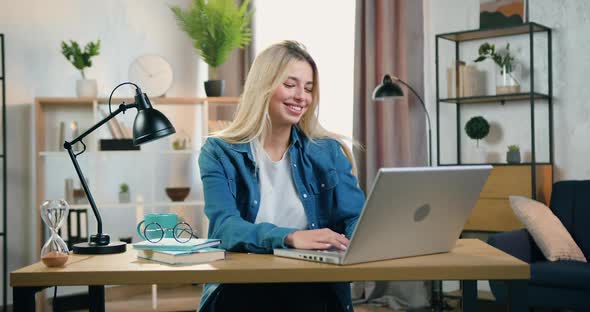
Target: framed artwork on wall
column 502, row 13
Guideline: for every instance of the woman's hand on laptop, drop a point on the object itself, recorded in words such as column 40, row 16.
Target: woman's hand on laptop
column 317, row 239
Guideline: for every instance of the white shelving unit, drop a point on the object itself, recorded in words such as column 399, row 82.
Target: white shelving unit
column 147, row 171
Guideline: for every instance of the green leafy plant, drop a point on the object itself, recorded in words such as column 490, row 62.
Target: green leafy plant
column 80, row 59
column 513, row 148
column 217, row 27
column 477, row 128
column 123, row 188
column 502, row 58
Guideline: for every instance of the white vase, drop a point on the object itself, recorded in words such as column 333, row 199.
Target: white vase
column 475, row 154
column 124, row 197
column 481, row 155
column 86, row 88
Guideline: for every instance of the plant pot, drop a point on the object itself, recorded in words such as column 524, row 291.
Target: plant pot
column 86, row 88
column 481, row 155
column 124, row 197
column 513, row 157
column 214, row 87
column 475, row 154
column 506, row 82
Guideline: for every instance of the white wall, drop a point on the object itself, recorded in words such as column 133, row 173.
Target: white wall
column 510, row 123
column 571, row 25
column 326, row 28
column 127, row 29
column 35, row 67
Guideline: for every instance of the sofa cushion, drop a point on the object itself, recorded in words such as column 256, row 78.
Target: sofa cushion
column 548, row 232
column 561, row 274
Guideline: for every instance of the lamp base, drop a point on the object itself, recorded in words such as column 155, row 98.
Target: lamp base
column 93, row 249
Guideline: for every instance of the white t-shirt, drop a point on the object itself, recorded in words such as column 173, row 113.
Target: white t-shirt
column 279, row 203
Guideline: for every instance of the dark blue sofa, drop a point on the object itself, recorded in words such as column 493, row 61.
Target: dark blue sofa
column 560, row 284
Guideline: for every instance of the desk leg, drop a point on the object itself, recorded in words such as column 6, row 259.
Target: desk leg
column 517, row 295
column 96, row 298
column 23, row 298
column 469, row 295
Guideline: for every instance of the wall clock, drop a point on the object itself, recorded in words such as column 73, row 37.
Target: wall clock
column 152, row 73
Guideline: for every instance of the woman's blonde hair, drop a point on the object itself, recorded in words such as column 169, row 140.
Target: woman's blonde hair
column 268, row 72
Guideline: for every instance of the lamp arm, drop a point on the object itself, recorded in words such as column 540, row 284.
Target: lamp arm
column 418, row 96
column 427, row 118
column 122, row 108
column 99, row 238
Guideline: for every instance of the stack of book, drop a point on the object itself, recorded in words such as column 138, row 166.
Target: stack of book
column 464, row 81
column 169, row 251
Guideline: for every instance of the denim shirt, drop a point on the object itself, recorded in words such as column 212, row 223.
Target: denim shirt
column 323, row 179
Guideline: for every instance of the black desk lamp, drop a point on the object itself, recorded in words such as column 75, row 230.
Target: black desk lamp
column 391, row 90
column 149, row 125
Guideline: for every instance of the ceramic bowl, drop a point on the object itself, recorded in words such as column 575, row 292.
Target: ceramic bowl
column 177, row 193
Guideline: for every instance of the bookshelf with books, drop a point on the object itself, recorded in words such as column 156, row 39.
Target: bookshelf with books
column 109, row 161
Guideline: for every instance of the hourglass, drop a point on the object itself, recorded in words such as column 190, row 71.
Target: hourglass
column 55, row 251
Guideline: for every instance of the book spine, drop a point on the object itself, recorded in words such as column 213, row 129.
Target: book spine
column 461, row 80
column 110, row 124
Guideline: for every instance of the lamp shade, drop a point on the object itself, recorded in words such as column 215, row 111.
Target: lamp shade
column 150, row 125
column 387, row 90
column 390, row 90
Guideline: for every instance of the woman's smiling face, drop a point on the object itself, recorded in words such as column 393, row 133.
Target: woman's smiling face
column 293, row 97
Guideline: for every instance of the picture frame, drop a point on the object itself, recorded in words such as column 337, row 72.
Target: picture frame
column 502, row 13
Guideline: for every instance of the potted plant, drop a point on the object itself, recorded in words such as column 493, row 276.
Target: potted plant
column 505, row 80
column 81, row 60
column 513, row 154
column 124, row 195
column 477, row 128
column 216, row 27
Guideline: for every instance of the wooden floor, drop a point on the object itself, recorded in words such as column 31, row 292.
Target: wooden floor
column 187, row 298
column 139, row 298
column 177, row 298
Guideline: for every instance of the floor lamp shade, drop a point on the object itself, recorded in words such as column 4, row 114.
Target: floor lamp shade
column 387, row 89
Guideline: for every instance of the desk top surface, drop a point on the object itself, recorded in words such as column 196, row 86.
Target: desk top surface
column 470, row 259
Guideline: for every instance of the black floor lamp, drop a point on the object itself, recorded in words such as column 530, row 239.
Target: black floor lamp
column 389, row 89
column 149, row 125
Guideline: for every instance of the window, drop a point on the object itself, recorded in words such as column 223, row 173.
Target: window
column 326, row 28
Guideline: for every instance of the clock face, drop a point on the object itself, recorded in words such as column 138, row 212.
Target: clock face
column 152, row 73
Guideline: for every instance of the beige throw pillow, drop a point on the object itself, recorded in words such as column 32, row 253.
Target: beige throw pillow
column 551, row 236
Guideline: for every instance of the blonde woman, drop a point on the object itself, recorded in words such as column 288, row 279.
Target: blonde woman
column 275, row 178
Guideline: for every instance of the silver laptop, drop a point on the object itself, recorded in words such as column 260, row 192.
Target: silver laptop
column 409, row 212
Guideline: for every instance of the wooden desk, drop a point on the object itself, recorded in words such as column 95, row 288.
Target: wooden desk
column 469, row 261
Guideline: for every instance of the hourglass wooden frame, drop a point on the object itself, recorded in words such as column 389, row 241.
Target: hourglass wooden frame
column 55, row 251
